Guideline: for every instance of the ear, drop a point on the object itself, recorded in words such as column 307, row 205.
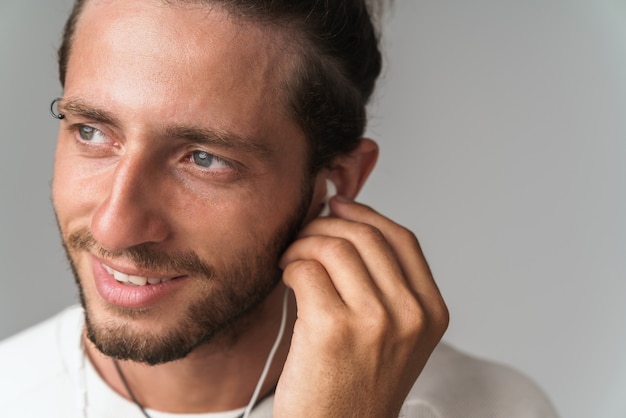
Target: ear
column 350, row 171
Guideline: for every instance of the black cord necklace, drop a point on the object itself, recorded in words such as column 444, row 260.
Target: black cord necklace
column 130, row 392
column 256, row 400
column 141, row 408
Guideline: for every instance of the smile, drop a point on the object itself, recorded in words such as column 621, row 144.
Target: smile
column 133, row 280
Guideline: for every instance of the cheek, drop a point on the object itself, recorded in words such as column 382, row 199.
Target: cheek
column 61, row 185
column 227, row 227
column 71, row 189
column 246, row 222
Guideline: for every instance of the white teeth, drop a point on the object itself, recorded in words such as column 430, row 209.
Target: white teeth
column 120, row 277
column 138, row 281
column 133, row 280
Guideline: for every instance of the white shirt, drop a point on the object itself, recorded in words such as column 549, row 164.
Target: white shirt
column 44, row 373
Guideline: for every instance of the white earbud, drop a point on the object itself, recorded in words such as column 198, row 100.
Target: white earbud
column 331, row 190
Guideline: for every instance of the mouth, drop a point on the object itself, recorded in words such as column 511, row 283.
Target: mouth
column 132, row 280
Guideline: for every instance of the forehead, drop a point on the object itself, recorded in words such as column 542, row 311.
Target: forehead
column 180, row 55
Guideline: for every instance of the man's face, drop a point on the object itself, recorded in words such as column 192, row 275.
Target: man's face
column 178, row 169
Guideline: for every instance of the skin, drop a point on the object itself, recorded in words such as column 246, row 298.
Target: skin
column 368, row 310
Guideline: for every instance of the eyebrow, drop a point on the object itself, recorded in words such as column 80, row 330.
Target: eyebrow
column 195, row 134
column 82, row 109
column 219, row 138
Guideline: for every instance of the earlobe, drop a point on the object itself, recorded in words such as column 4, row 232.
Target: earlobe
column 349, row 172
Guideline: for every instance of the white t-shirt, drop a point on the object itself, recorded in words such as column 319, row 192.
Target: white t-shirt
column 45, row 374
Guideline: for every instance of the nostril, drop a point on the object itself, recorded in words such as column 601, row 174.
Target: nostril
column 118, row 225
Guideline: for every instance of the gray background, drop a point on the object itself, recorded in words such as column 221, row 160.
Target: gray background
column 503, row 147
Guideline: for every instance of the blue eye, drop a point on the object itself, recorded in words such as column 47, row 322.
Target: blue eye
column 202, row 158
column 205, row 159
column 90, row 134
column 86, row 132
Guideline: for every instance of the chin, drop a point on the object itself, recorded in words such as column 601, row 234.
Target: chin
column 154, row 337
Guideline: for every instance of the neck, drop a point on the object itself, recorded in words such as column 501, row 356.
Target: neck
column 217, row 376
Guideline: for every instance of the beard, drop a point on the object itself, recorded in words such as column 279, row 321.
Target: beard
column 228, row 297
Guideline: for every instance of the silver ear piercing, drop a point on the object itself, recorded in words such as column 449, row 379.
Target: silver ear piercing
column 56, row 114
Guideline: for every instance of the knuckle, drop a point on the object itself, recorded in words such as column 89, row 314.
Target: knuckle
column 442, row 317
column 427, row 322
column 304, row 268
column 419, row 324
column 406, row 235
column 378, row 316
column 368, row 233
column 415, row 320
column 377, row 325
column 333, row 330
column 337, row 328
column 336, row 245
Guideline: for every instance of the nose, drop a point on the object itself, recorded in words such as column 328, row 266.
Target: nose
column 131, row 212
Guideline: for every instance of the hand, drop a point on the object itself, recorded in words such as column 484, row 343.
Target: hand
column 369, row 316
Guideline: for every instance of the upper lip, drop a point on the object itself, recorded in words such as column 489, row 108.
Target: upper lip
column 134, row 271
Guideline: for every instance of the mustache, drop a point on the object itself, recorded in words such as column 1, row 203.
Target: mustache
column 144, row 256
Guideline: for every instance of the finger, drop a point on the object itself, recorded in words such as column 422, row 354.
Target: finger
column 403, row 243
column 343, row 264
column 313, row 288
column 372, row 250
column 431, row 308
